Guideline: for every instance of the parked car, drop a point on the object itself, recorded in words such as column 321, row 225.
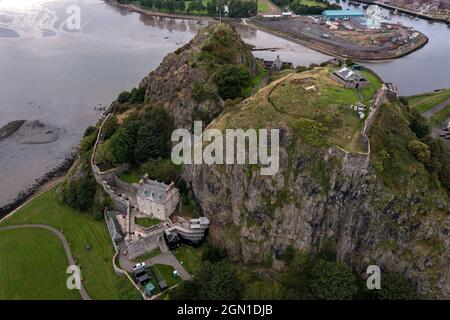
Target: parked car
column 138, row 266
column 141, row 275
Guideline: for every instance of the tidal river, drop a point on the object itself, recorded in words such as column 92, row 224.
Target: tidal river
column 60, row 79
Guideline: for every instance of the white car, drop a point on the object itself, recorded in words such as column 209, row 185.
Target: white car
column 138, row 266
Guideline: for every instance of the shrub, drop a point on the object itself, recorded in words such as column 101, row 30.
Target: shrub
column 110, row 127
column 419, row 150
column 214, row 281
column 394, row 286
column 124, row 96
column 213, row 254
column 418, row 124
column 231, row 79
column 137, row 95
column 89, row 130
column 331, row 280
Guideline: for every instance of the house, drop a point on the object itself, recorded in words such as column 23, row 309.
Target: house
column 277, row 64
column 391, row 90
column 157, row 199
column 350, row 78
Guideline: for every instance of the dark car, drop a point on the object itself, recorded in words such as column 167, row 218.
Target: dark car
column 141, row 275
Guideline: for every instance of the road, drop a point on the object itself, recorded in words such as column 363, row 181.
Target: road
column 61, row 237
column 166, row 258
column 436, row 108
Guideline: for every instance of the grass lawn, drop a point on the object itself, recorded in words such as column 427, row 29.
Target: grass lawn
column 311, row 3
column 33, row 265
column 166, row 272
column 132, row 176
column 147, row 222
column 151, row 254
column 246, row 92
column 375, row 84
column 440, row 116
column 263, row 7
column 310, row 102
column 189, row 257
column 80, row 230
column 426, row 101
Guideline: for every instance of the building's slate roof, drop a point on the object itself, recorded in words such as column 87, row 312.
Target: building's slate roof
column 153, row 190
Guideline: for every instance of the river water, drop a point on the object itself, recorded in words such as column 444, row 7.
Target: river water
column 64, row 77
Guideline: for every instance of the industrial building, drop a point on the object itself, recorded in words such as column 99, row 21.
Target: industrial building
column 342, row 14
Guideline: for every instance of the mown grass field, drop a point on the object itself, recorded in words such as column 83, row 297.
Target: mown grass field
column 312, row 3
column 166, row 272
column 146, row 222
column 90, row 243
column 190, row 258
column 426, row 101
column 263, row 7
column 33, row 266
column 375, row 84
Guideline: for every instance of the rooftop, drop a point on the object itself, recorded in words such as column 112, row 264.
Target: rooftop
column 153, row 190
column 343, row 13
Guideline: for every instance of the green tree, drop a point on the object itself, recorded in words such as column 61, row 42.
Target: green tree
column 418, row 124
column 213, row 254
column 124, row 96
column 79, row 194
column 394, row 286
column 420, row 150
column 110, row 127
column 146, row 3
column 214, row 281
column 330, row 280
column 123, row 142
column 137, row 95
column 231, row 79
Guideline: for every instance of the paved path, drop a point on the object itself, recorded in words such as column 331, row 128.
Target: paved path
column 166, row 258
column 61, row 237
column 436, row 108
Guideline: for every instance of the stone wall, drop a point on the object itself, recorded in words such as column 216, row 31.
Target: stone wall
column 142, row 246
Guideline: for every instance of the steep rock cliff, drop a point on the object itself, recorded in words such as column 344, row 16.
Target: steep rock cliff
column 184, row 82
column 396, row 217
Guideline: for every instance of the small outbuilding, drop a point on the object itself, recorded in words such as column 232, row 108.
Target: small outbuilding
column 350, row 78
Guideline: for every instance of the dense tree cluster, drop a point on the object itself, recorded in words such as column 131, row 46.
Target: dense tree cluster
column 433, row 153
column 237, row 8
column 242, row 8
column 142, row 138
column 214, row 281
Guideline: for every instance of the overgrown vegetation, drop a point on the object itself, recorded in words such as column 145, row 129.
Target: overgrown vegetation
column 231, row 80
column 403, row 147
column 236, row 8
